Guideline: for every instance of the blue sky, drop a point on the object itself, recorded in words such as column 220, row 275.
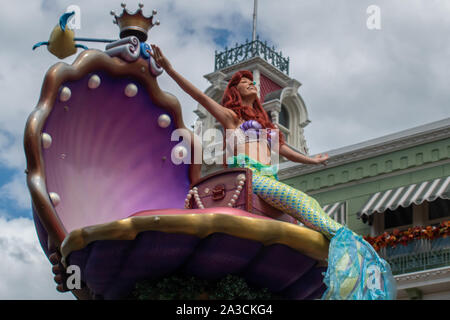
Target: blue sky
column 357, row 84
column 7, row 201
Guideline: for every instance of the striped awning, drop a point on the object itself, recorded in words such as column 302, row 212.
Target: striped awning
column 406, row 196
column 337, row 211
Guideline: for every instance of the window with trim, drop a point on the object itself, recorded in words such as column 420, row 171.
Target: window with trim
column 424, row 214
column 283, row 121
column 283, row 117
column 400, row 217
column 438, row 210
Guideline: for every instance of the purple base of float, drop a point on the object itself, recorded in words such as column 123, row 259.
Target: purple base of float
column 111, row 268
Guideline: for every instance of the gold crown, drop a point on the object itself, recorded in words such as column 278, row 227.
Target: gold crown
column 134, row 24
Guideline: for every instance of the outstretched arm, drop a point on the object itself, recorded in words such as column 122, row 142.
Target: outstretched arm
column 295, row 156
column 226, row 117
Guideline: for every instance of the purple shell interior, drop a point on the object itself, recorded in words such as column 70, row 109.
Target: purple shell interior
column 109, row 158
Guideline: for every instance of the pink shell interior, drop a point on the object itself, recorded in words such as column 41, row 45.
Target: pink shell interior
column 109, row 158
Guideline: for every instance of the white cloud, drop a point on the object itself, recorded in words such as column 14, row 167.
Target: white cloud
column 11, row 151
column 364, row 72
column 16, row 191
column 360, row 84
column 25, row 272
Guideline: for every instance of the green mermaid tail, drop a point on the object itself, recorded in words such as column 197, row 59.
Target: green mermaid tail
column 286, row 198
column 355, row 271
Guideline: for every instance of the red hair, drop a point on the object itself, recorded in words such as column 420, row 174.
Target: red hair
column 233, row 101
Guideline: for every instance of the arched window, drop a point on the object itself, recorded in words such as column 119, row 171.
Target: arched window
column 283, row 117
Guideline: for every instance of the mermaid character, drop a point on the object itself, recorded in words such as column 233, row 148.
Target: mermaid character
column 355, row 271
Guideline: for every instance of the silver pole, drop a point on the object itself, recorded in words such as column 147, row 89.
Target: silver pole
column 255, row 10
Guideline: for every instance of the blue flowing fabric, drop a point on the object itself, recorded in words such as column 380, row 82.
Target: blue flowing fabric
column 355, row 271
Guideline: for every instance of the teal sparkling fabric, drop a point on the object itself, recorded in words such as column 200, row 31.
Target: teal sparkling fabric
column 355, row 271
column 244, row 161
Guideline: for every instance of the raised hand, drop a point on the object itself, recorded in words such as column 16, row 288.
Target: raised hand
column 320, row 158
column 160, row 59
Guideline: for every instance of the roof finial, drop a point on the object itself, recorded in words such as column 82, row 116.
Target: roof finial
column 255, row 11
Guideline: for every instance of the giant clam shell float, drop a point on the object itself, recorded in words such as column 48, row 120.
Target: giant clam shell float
column 108, row 199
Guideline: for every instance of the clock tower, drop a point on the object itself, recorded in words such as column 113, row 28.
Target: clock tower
column 277, row 91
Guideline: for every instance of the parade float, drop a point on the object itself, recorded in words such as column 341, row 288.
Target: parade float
column 114, row 195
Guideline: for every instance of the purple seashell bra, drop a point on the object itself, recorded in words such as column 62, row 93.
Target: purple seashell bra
column 250, row 124
column 250, row 131
column 250, row 127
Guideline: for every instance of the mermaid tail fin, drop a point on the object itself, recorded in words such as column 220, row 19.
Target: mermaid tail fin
column 355, row 271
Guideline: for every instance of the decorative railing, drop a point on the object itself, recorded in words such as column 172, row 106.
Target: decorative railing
column 418, row 255
column 418, row 248
column 248, row 50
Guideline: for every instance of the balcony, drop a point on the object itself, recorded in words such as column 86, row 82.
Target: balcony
column 248, row 50
column 418, row 255
column 416, row 249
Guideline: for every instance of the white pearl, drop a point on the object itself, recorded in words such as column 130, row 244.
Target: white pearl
column 65, row 94
column 55, row 198
column 241, row 183
column 230, row 204
column 164, row 121
column 131, row 90
column 94, row 82
column 239, row 188
column 46, row 140
column 232, row 201
column 189, row 196
column 179, row 152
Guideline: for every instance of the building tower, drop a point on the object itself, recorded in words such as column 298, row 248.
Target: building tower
column 277, row 91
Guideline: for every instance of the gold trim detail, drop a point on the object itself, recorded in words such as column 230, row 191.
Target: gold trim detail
column 306, row 241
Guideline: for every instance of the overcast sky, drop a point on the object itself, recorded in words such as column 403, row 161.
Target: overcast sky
column 357, row 83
